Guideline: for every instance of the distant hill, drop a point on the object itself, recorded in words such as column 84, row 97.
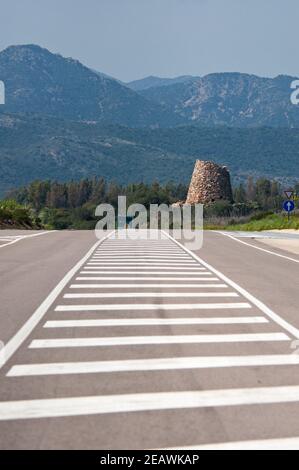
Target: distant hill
column 36, row 147
column 38, row 81
column 231, row 99
column 151, row 82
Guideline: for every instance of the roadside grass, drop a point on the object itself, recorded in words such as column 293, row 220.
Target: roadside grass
column 257, row 223
column 14, row 215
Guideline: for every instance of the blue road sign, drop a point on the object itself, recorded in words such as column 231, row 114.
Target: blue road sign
column 289, row 206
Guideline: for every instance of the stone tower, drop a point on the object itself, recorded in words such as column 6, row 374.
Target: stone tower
column 210, row 182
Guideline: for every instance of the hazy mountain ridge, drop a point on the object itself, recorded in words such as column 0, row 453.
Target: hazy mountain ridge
column 38, row 81
column 232, row 99
column 152, row 81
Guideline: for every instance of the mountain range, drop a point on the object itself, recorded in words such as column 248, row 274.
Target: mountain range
column 231, row 99
column 63, row 120
column 38, row 81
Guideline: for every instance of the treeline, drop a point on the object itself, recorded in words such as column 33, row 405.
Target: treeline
column 72, row 204
column 75, row 194
column 252, row 200
column 264, row 193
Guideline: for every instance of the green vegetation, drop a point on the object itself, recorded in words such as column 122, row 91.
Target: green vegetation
column 257, row 204
column 269, row 222
column 14, row 215
column 72, row 205
column 35, row 147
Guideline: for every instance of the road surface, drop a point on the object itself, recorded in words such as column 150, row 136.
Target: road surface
column 121, row 344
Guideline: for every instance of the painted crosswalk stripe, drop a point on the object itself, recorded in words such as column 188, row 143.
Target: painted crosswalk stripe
column 159, row 254
column 144, row 253
column 145, row 278
column 154, row 322
column 152, row 259
column 118, row 259
column 125, row 403
column 146, row 264
column 139, row 270
column 147, row 286
column 168, row 339
column 115, row 295
column 190, row 306
column 147, row 365
column 141, row 252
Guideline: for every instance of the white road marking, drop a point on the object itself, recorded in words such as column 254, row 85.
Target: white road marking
column 147, row 278
column 154, row 322
column 147, row 365
column 210, row 306
column 146, row 286
column 145, row 253
column 286, row 443
column 139, row 270
column 125, row 403
column 260, row 305
column 146, row 264
column 22, row 237
column 118, row 259
column 170, row 339
column 116, row 295
column 259, row 248
column 15, row 342
column 141, row 255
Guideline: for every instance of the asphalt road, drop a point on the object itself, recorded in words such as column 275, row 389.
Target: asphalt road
column 121, row 344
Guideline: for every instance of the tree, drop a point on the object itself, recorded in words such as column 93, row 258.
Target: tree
column 240, row 194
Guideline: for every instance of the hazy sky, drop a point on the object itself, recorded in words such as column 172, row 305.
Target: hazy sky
column 130, row 39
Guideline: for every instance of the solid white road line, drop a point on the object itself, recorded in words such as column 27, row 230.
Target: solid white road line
column 145, row 278
column 154, row 322
column 147, row 365
column 146, row 286
column 114, row 295
column 97, row 405
column 260, row 305
column 170, row 339
column 15, row 342
column 259, row 248
column 211, row 306
column 285, row 443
